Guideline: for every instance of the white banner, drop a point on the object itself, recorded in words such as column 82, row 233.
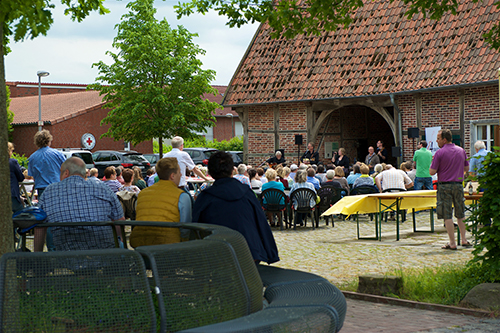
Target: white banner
column 431, row 137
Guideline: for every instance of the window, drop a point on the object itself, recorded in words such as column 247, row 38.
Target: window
column 485, row 133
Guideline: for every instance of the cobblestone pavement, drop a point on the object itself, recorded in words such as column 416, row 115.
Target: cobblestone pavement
column 336, row 254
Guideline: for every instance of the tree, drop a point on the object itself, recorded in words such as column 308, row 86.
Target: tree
column 20, row 19
column 289, row 18
column 155, row 86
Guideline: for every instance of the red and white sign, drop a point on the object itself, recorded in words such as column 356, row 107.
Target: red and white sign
column 88, row 141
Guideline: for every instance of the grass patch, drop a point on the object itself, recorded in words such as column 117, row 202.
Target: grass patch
column 447, row 284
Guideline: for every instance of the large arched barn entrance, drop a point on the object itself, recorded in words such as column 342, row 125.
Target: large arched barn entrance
column 355, row 128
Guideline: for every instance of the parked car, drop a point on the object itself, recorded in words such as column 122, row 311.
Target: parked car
column 127, row 159
column 152, row 158
column 85, row 155
column 237, row 157
column 200, row 155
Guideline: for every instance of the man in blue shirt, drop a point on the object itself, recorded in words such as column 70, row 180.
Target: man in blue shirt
column 476, row 166
column 45, row 163
column 311, row 179
column 74, row 199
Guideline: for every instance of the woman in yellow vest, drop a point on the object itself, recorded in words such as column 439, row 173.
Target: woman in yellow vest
column 163, row 201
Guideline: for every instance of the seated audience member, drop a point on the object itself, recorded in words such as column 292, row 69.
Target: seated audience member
column 330, row 180
column 320, row 174
column 256, row 184
column 340, row 177
column 410, row 170
column 393, row 178
column 234, row 205
column 74, row 199
column 287, row 172
column 272, row 183
column 241, row 175
column 355, row 175
column 128, row 177
column 281, row 176
column 138, row 181
column 162, row 201
column 16, row 176
column 119, row 176
column 311, row 179
column 260, row 175
column 93, row 175
column 378, row 168
column 110, row 175
column 301, row 182
column 149, row 173
column 364, row 179
column 153, row 178
column 293, row 169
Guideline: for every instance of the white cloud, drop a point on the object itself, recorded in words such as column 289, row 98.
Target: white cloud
column 70, row 48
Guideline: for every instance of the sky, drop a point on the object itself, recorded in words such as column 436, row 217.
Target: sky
column 70, row 48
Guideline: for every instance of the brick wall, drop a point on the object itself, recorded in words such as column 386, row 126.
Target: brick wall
column 442, row 109
column 68, row 133
column 223, row 129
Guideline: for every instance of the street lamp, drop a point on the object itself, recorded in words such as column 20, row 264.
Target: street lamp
column 230, row 115
column 40, row 75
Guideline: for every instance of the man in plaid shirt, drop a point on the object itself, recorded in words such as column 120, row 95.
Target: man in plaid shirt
column 74, row 199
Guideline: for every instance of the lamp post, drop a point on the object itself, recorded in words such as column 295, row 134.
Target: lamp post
column 40, row 74
column 230, row 115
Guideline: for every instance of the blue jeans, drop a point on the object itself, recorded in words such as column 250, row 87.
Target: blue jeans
column 423, row 183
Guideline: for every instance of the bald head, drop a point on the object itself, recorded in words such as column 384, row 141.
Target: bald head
column 73, row 166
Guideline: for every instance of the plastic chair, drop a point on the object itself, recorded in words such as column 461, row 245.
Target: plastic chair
column 303, row 200
column 274, row 201
column 328, row 195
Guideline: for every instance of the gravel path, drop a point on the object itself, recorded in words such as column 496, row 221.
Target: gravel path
column 336, row 254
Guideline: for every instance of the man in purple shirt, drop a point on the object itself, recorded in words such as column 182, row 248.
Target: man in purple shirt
column 450, row 163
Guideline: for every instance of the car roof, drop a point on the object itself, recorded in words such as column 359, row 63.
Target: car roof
column 199, row 148
column 125, row 152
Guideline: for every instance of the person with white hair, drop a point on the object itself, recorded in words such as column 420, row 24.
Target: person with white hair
column 184, row 160
column 242, row 175
column 476, row 166
column 276, row 159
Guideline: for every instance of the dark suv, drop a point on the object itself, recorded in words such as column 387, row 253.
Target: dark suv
column 200, row 155
column 127, row 159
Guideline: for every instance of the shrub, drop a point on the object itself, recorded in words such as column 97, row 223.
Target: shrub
column 235, row 143
column 487, row 217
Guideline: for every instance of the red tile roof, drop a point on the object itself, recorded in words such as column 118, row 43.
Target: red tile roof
column 59, row 107
column 381, row 53
column 55, row 107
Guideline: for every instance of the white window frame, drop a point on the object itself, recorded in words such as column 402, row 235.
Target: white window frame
column 490, row 135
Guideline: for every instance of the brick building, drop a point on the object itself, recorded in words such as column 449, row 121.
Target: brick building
column 69, row 111
column 370, row 82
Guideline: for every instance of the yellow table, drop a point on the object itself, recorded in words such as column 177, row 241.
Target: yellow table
column 380, row 203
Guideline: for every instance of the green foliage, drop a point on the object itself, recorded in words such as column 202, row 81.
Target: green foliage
column 290, row 18
column 155, row 86
column 22, row 160
column 487, row 217
column 446, row 284
column 31, row 18
column 235, row 144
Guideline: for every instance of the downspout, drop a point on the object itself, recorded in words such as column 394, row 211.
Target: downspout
column 399, row 127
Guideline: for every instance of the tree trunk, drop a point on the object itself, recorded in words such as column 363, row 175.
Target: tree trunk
column 160, row 147
column 6, row 235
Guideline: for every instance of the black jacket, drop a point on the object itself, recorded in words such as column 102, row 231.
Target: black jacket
column 234, row 205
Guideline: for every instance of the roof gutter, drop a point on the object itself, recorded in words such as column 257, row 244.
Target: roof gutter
column 405, row 92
